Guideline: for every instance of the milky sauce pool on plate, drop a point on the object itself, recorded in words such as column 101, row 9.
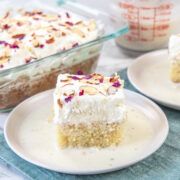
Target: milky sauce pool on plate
column 37, row 137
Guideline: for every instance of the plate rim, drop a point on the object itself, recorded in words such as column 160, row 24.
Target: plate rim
column 89, row 172
column 130, row 77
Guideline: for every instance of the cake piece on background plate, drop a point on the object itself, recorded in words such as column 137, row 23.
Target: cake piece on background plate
column 174, row 57
column 89, row 110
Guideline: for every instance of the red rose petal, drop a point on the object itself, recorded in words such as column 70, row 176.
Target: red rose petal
column 81, row 92
column 41, row 45
column 111, row 79
column 29, row 59
column 6, row 26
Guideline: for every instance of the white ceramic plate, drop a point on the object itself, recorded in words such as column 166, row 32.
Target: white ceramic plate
column 150, row 74
column 30, row 118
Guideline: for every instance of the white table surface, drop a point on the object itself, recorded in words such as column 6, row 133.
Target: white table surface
column 112, row 59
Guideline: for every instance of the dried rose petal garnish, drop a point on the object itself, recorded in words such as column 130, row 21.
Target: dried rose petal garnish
column 75, row 45
column 6, row 26
column 29, row 59
column 2, row 42
column 101, row 80
column 67, row 15
column 112, row 79
column 88, row 77
column 68, row 99
column 81, row 92
column 41, row 45
column 116, row 84
column 79, row 72
column 69, row 23
column 1, row 65
column 39, row 12
column 6, row 44
column 13, row 46
column 75, row 78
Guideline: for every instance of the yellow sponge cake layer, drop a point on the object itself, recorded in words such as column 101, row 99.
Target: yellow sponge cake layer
column 174, row 57
column 99, row 134
column 175, row 72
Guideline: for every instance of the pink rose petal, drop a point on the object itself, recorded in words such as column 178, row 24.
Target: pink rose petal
column 116, row 84
column 75, row 45
column 68, row 99
column 13, row 46
column 75, row 78
column 79, row 72
column 87, row 77
column 67, row 15
column 69, row 23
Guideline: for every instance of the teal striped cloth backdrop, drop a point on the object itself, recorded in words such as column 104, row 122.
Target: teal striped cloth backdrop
column 163, row 164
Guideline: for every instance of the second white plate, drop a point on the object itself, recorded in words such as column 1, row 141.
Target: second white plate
column 33, row 138
column 150, row 74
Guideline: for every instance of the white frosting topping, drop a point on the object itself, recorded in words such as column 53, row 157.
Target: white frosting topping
column 88, row 98
column 174, row 48
column 32, row 35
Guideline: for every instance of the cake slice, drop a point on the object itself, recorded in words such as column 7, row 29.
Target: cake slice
column 89, row 110
column 174, row 57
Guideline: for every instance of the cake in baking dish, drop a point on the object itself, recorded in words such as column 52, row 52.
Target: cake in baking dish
column 32, row 35
column 174, row 57
column 27, row 36
column 89, row 110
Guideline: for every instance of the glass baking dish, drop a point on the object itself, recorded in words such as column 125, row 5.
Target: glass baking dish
column 21, row 82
